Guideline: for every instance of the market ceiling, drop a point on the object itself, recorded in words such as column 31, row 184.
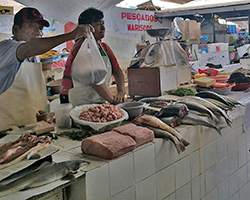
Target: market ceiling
column 231, row 11
column 68, row 10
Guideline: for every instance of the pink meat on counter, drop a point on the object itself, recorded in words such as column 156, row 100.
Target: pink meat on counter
column 140, row 134
column 108, row 145
column 121, row 129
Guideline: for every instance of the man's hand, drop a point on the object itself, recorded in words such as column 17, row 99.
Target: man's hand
column 82, row 31
column 118, row 98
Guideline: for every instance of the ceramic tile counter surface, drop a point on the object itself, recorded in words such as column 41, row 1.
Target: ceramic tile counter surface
column 212, row 167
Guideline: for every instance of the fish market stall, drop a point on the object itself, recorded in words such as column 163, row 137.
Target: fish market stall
column 212, row 164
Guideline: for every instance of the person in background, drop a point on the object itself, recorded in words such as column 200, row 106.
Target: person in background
column 185, row 48
column 19, row 58
column 97, row 93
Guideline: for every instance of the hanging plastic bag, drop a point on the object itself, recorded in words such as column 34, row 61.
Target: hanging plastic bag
column 88, row 67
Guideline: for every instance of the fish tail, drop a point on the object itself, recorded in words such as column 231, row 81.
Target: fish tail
column 184, row 142
column 179, row 146
column 218, row 130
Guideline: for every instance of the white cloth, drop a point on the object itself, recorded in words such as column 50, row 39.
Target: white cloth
column 28, row 91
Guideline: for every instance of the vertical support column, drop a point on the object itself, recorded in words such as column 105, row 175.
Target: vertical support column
column 213, row 24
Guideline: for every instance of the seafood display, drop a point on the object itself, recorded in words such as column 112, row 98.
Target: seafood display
column 204, row 108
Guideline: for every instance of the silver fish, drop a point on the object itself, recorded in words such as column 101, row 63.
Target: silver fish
column 215, row 109
column 43, row 175
column 193, row 106
column 213, row 95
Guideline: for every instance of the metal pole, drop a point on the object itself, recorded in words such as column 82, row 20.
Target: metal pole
column 213, row 24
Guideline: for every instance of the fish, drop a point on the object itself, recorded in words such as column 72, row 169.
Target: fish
column 233, row 101
column 213, row 95
column 192, row 106
column 176, row 109
column 215, row 109
column 220, row 104
column 157, row 123
column 43, row 175
column 155, row 99
column 193, row 119
column 172, row 121
column 159, row 133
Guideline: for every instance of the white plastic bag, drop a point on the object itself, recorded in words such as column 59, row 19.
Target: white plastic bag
column 88, row 67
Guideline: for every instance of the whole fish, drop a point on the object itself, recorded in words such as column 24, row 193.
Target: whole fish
column 219, row 104
column 154, row 99
column 42, row 176
column 193, row 119
column 233, row 101
column 215, row 109
column 176, row 109
column 200, row 108
column 157, row 123
column 213, row 95
column 159, row 133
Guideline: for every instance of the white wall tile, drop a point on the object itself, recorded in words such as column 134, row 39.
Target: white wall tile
column 146, row 189
column 97, row 186
column 126, row 194
column 237, row 122
column 223, row 190
column 241, row 136
column 195, row 164
column 233, row 184
column 196, row 188
column 222, row 170
column 248, row 135
column 210, row 179
column 202, row 185
column 242, row 156
column 248, row 171
column 248, row 151
column 171, row 197
column 184, row 193
column 212, row 195
column 121, row 172
column 193, row 132
column 144, row 161
column 248, row 191
column 209, row 135
column 182, row 172
column 242, row 176
column 243, row 193
column 164, row 154
column 202, row 159
column 231, row 142
column 232, row 162
column 210, row 155
column 165, row 182
column 221, row 147
column 235, row 197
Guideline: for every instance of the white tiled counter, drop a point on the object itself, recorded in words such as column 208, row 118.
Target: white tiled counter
column 212, row 167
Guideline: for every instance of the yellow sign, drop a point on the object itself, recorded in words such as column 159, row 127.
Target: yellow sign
column 6, row 10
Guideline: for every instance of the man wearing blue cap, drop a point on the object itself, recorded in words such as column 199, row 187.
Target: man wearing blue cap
column 22, row 86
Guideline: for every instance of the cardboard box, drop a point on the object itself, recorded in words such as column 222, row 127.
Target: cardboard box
column 154, row 81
